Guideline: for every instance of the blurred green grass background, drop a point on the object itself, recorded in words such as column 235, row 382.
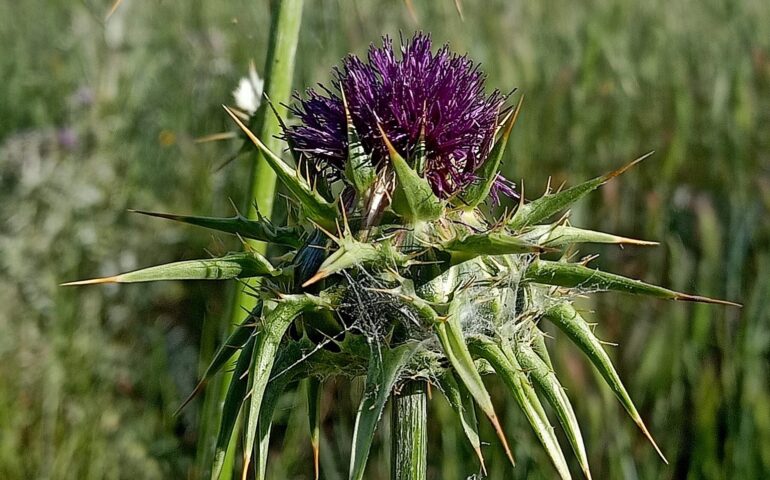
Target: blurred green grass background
column 97, row 117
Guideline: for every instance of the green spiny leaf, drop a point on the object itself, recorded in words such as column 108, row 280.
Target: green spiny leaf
column 232, row 265
column 563, row 235
column 454, row 346
column 314, row 420
column 384, row 369
column 233, row 344
column 576, row 328
column 573, row 275
column 550, row 204
column 413, row 197
column 467, row 247
column 268, row 340
column 511, row 373
column 462, row 403
column 358, row 169
column 261, row 229
column 351, row 252
column 545, row 378
column 236, row 393
column 314, row 206
column 309, row 257
column 476, row 193
column 538, row 345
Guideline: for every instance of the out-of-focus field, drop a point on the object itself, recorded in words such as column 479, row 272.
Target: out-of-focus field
column 96, row 118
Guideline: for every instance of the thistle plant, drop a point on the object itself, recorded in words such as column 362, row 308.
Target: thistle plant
column 393, row 267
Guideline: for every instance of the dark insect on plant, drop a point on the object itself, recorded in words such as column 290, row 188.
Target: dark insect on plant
column 395, row 273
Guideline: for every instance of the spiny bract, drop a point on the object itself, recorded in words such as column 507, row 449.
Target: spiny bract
column 401, row 277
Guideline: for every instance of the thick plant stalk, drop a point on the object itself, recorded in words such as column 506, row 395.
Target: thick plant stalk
column 409, row 433
column 279, row 71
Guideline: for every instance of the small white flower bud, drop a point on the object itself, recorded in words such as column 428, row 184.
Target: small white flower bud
column 248, row 94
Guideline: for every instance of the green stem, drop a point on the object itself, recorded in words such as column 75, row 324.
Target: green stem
column 409, row 433
column 279, row 70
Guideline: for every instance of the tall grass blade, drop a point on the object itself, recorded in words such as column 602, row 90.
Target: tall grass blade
column 314, row 421
column 384, row 368
column 236, row 393
column 282, row 375
column 286, row 18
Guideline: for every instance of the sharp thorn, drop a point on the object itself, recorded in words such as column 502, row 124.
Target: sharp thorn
column 92, row 281
column 684, row 297
column 215, row 137
column 622, row 169
column 501, row 435
column 113, row 8
column 320, row 275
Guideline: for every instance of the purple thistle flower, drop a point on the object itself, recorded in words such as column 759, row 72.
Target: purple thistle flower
column 441, row 92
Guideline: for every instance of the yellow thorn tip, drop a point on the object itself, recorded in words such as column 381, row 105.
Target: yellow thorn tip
column 92, row 281
column 685, row 297
column 647, row 434
column 316, row 460
column 391, row 150
column 113, row 8
column 622, row 169
column 501, row 436
column 481, row 460
column 320, row 275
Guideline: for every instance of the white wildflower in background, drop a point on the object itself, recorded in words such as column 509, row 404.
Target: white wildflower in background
column 248, row 94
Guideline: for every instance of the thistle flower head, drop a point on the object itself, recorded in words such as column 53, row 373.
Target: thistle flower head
column 436, row 96
column 427, row 293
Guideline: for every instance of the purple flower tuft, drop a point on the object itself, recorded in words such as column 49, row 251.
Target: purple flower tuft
column 441, row 92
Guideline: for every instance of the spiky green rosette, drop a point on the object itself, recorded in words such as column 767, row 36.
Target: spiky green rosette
column 401, row 277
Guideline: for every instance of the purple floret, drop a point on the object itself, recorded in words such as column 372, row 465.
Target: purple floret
column 441, row 92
